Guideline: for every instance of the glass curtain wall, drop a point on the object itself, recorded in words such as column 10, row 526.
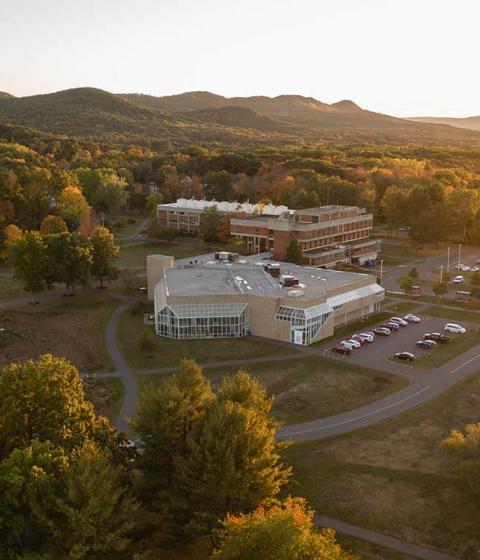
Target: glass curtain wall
column 304, row 323
column 218, row 320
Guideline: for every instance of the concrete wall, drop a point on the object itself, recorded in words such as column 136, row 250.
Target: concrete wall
column 156, row 264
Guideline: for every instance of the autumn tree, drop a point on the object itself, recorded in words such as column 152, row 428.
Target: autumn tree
column 463, row 448
column 28, row 256
column 53, row 224
column 394, row 207
column 104, row 253
column 72, row 207
column 44, row 400
column 284, row 531
column 210, row 223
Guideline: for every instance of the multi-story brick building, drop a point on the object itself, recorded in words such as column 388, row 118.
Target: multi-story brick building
column 326, row 235
column 185, row 214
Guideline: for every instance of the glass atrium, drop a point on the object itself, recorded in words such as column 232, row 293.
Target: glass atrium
column 304, row 323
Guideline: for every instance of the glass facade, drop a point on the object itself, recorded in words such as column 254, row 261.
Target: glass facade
column 304, row 323
column 215, row 320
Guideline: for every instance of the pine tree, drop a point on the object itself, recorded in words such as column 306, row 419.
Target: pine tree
column 293, row 253
column 166, row 416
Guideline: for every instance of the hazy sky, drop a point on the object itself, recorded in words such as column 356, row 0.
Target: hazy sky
column 402, row 57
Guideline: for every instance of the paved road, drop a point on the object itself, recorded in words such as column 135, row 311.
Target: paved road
column 383, row 540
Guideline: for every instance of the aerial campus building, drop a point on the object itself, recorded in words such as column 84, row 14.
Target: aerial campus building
column 327, row 235
column 225, row 296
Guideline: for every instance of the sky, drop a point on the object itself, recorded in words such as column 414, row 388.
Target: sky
column 400, row 57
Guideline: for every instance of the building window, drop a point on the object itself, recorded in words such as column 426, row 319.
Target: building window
column 304, row 323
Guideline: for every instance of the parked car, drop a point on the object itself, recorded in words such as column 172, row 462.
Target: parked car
column 454, row 328
column 370, row 333
column 342, row 350
column 475, row 269
column 360, row 339
column 392, row 326
column 426, row 344
column 411, row 318
column 367, row 337
column 458, row 280
column 347, row 344
column 399, row 320
column 404, row 356
column 465, row 268
column 382, row 331
column 459, row 266
column 436, row 337
column 354, row 342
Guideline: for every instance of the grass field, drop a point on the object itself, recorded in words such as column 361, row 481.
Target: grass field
column 89, row 303
column 9, row 287
column 169, row 352
column 117, row 401
column 402, row 308
column 134, row 256
column 452, row 314
column 369, row 551
column 312, row 387
column 393, row 477
column 459, row 343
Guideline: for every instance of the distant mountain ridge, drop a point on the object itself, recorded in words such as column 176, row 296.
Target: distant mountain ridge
column 471, row 123
column 210, row 119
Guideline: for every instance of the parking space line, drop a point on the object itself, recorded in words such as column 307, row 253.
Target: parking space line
column 464, row 364
column 349, row 421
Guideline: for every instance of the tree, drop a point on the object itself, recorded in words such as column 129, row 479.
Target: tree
column 210, row 222
column 53, row 224
column 245, row 390
column 413, row 273
column 104, row 253
column 153, row 200
column 394, row 207
column 463, row 447
column 63, row 505
column 217, row 186
column 233, row 465
column 406, row 283
column 293, row 253
column 70, row 259
column 44, row 400
column 72, row 207
column 440, row 289
column 166, row 416
column 283, row 532
column 28, row 256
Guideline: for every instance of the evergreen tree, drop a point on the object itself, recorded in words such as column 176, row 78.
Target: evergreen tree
column 104, row 253
column 166, row 416
column 293, row 253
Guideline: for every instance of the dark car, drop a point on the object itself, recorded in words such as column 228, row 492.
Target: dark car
column 391, row 326
column 342, row 350
column 405, row 356
column 426, row 344
column 436, row 337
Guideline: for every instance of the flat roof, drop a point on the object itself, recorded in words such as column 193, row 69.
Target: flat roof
column 210, row 277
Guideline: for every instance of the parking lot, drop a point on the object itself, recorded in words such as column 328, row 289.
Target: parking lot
column 383, row 348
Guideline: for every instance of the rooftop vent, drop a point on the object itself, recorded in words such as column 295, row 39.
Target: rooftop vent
column 295, row 293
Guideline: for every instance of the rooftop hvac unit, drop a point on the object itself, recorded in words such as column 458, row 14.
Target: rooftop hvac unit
column 295, row 293
column 289, row 280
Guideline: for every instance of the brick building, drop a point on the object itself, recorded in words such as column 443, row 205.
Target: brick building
column 326, row 235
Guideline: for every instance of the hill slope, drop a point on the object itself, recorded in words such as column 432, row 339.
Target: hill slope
column 472, row 123
column 209, row 119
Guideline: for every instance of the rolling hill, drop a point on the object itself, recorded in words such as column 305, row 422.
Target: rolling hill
column 209, row 119
column 471, row 123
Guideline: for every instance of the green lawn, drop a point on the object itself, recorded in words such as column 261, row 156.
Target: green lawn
column 458, row 344
column 369, row 551
column 401, row 308
column 169, row 352
column 9, row 287
column 452, row 314
column 134, row 256
column 312, row 387
column 393, row 476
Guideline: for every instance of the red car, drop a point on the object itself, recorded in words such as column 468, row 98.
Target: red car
column 342, row 350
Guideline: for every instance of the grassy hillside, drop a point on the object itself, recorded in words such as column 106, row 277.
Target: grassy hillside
column 472, row 123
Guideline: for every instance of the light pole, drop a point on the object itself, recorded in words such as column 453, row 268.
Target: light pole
column 381, row 270
column 448, row 259
column 441, row 273
column 459, row 253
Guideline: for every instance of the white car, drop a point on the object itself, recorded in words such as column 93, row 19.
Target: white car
column 367, row 336
column 400, row 321
column 454, row 328
column 465, row 268
column 458, row 280
column 411, row 318
column 459, row 266
column 347, row 344
column 474, row 269
column 354, row 342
